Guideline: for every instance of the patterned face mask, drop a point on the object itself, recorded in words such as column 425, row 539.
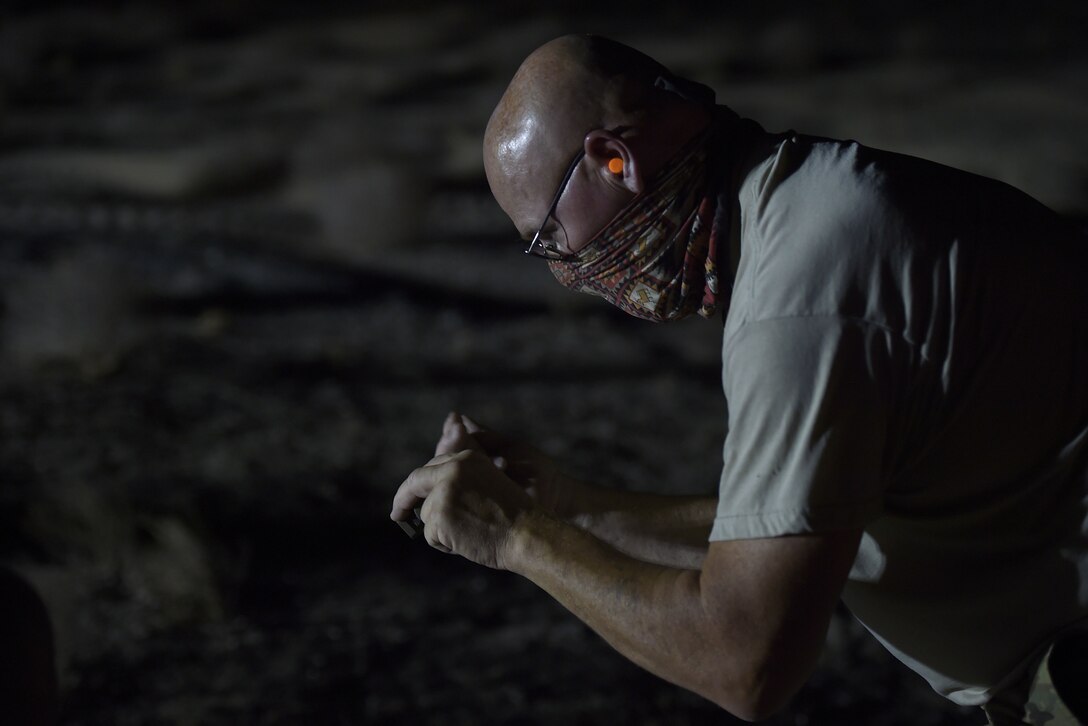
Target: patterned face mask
column 657, row 259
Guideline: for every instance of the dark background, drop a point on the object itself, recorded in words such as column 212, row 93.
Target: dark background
column 249, row 261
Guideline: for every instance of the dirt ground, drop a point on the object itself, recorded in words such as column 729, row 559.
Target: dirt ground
column 249, row 262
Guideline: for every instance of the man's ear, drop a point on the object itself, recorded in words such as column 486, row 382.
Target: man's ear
column 603, row 148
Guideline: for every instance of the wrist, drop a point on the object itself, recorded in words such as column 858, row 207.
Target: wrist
column 582, row 503
column 528, row 538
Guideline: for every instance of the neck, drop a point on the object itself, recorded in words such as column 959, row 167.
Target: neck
column 667, row 132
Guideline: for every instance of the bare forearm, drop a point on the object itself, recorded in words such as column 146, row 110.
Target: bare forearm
column 667, row 530
column 653, row 615
column 744, row 632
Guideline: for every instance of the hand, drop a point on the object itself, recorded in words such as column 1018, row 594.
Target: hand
column 553, row 491
column 469, row 506
column 457, row 435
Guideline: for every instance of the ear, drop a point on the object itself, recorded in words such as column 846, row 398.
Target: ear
column 602, row 146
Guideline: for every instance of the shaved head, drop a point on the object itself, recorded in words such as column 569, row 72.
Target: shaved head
column 563, row 90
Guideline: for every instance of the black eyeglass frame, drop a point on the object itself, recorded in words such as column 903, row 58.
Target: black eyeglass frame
column 537, row 247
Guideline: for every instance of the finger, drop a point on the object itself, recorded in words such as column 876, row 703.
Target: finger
column 430, row 531
column 404, row 502
column 403, row 506
column 440, row 459
column 471, row 426
column 415, row 489
column 432, row 539
column 452, row 425
column 448, row 438
column 455, row 437
column 500, row 462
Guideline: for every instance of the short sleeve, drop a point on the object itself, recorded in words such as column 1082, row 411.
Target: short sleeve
column 809, row 406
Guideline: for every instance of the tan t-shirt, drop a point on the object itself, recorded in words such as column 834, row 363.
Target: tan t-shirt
column 906, row 350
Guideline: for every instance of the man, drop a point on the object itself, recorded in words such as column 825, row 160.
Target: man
column 905, row 363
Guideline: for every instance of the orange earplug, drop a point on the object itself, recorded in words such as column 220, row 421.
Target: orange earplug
column 615, row 165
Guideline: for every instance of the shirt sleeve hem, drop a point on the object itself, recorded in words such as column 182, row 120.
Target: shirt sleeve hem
column 793, row 521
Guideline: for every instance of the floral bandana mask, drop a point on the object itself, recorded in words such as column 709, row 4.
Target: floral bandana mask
column 657, row 259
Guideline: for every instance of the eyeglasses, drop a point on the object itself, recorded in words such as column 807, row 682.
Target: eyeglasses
column 549, row 249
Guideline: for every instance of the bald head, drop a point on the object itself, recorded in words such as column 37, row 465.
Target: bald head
column 561, row 92
column 564, row 89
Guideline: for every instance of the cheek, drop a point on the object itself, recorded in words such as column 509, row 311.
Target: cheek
column 585, row 214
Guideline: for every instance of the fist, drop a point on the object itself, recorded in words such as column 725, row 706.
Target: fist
column 550, row 489
column 469, row 507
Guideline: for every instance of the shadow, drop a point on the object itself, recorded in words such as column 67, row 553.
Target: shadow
column 28, row 679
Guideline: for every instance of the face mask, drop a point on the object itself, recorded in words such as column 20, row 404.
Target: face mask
column 657, row 258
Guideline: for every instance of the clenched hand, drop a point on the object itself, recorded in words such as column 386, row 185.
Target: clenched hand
column 469, row 506
column 553, row 491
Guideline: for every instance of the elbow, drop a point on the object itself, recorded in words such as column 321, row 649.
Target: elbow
column 756, row 694
column 752, row 707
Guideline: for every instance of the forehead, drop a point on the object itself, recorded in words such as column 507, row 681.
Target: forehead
column 524, row 178
column 526, row 142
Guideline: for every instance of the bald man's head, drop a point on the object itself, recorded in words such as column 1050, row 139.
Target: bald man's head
column 564, row 90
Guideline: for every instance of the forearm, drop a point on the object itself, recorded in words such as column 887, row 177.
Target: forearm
column 743, row 631
column 654, row 615
column 667, row 530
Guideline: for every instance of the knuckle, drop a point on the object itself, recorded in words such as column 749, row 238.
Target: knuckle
column 470, row 460
column 458, row 467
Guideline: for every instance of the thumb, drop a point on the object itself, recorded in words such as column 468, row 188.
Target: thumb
column 455, row 437
column 470, row 425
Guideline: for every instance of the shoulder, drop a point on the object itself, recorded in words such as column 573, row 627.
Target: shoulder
column 818, row 219
column 833, row 183
column 811, row 186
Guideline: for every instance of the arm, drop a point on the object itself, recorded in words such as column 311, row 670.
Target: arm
column 668, row 530
column 744, row 631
